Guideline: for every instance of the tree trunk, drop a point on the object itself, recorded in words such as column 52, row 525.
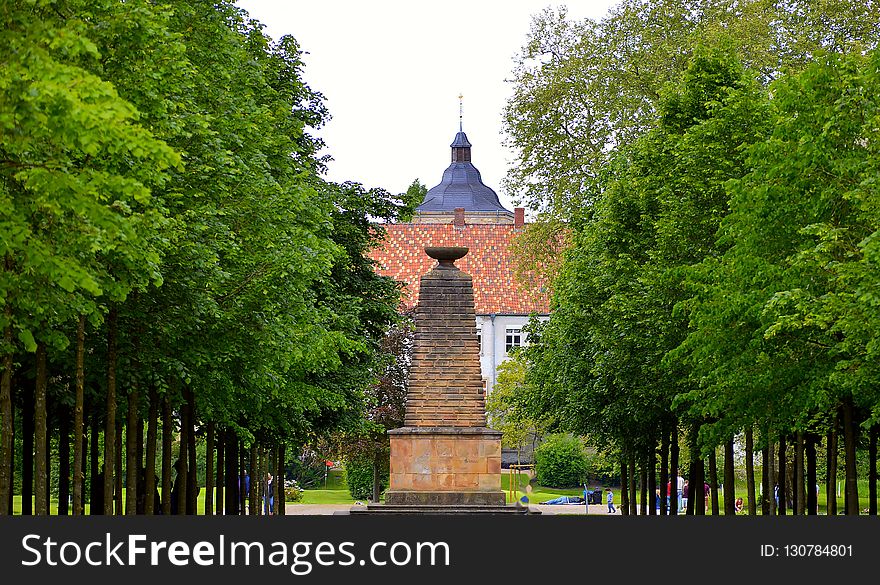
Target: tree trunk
column 812, row 481
column 664, row 474
column 41, row 474
column 242, row 463
column 872, row 471
column 110, row 422
column 252, row 485
column 278, row 481
column 673, row 470
column 831, row 468
column 192, row 477
column 633, row 502
column 260, row 479
column 64, row 462
column 221, row 477
column 209, row 470
column 800, row 500
column 84, row 465
column 78, row 420
column 696, row 475
column 232, row 473
column 280, row 498
column 119, row 510
column 750, row 471
column 713, row 483
column 624, row 476
column 150, row 466
column 850, row 439
column 179, row 489
column 96, row 484
column 27, row 459
column 653, row 492
column 132, row 465
column 781, row 472
column 6, row 426
column 730, row 478
column 643, row 486
column 376, row 477
column 48, row 468
column 774, row 479
column 9, row 501
column 167, row 436
column 140, row 460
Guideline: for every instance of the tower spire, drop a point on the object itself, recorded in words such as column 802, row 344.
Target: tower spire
column 460, row 111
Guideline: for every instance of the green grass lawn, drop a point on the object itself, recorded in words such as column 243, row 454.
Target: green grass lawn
column 335, row 492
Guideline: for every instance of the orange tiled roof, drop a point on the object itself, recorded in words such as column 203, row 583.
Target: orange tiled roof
column 488, row 261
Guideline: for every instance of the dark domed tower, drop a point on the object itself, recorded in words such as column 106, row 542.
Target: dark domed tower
column 462, row 188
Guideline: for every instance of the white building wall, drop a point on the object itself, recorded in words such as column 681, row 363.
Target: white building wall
column 493, row 334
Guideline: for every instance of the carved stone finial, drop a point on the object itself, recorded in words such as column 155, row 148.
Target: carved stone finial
column 446, row 255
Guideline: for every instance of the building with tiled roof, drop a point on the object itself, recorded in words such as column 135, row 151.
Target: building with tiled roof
column 462, row 211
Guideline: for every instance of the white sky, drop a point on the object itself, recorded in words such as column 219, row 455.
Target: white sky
column 391, row 72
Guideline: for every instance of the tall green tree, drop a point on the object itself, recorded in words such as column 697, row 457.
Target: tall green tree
column 76, row 168
column 784, row 322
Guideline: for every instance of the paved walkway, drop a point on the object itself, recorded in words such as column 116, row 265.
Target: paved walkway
column 329, row 509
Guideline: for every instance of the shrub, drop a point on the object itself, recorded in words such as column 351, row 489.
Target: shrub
column 308, row 470
column 560, row 461
column 359, row 477
column 292, row 491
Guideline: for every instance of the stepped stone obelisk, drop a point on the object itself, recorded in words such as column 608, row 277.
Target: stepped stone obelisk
column 445, row 460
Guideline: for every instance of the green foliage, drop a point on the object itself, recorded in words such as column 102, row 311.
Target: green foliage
column 792, row 291
column 506, row 405
column 723, row 240
column 602, row 468
column 560, row 461
column 599, row 363
column 359, row 478
column 159, row 161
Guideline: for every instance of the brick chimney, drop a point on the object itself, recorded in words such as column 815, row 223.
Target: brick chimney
column 519, row 218
column 459, row 217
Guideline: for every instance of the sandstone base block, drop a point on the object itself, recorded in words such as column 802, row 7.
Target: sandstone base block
column 449, row 466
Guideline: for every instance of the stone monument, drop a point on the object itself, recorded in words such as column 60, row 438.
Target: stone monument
column 445, row 460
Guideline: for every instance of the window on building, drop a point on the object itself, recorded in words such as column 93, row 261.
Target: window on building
column 513, row 339
column 480, row 340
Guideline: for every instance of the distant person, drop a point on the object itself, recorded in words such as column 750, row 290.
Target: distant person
column 247, row 486
column 564, row 500
column 679, row 487
column 684, row 495
column 738, row 505
column 609, row 497
column 269, row 497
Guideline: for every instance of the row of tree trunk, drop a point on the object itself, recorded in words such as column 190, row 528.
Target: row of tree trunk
column 789, row 479
column 120, row 467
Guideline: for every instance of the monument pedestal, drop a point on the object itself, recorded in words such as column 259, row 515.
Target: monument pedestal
column 448, row 466
column 445, row 460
